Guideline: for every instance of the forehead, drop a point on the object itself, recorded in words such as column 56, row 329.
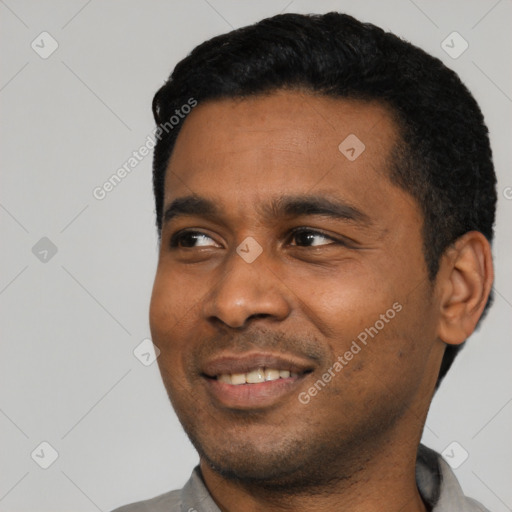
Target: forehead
column 287, row 141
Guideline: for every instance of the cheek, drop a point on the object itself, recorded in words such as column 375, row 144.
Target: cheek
column 169, row 319
column 375, row 324
column 398, row 345
column 171, row 314
column 172, row 300
column 343, row 304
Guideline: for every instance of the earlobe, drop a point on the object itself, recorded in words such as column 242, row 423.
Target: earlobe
column 465, row 279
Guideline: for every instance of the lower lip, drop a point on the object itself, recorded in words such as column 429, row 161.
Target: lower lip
column 252, row 396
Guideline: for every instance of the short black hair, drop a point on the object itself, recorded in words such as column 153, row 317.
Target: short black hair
column 443, row 157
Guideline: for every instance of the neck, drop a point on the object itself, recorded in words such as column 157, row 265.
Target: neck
column 383, row 481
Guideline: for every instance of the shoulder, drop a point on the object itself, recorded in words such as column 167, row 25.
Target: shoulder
column 193, row 497
column 439, row 486
column 168, row 502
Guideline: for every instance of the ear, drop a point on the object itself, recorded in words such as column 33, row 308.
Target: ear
column 465, row 280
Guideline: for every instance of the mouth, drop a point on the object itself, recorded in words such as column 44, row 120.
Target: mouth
column 256, row 376
column 253, row 381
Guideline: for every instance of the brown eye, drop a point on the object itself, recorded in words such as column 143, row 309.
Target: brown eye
column 190, row 239
column 306, row 237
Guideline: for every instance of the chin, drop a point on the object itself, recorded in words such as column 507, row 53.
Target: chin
column 290, row 465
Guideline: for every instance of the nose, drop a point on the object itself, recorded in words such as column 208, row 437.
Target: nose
column 246, row 292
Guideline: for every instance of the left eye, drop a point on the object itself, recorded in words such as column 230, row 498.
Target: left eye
column 311, row 238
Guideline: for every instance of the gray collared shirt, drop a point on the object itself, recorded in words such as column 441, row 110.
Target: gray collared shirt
column 436, row 482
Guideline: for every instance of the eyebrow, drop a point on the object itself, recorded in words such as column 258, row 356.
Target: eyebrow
column 280, row 207
column 188, row 206
column 295, row 206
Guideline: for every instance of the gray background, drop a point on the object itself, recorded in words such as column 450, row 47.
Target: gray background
column 70, row 323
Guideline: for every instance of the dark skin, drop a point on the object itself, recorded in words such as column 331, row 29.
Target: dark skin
column 301, row 303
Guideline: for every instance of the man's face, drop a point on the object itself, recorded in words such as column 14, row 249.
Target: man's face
column 290, row 253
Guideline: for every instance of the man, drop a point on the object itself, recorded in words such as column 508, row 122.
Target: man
column 325, row 197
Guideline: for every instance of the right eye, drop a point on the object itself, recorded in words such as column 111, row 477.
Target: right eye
column 191, row 239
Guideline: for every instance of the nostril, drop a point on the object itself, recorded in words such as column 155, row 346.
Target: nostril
column 242, row 324
column 259, row 315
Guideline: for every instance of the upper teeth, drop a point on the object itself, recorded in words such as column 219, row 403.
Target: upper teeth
column 258, row 375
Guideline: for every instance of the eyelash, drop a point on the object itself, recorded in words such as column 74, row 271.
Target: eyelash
column 180, row 235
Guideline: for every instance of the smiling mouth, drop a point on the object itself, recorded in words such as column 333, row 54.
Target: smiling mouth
column 254, row 381
column 256, row 376
column 255, row 368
